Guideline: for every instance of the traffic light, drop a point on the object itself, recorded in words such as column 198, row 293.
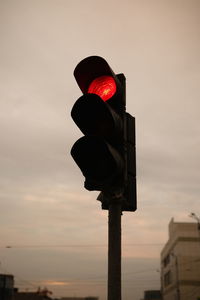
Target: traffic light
column 106, row 152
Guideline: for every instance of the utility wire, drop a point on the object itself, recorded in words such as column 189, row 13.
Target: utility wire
column 78, row 246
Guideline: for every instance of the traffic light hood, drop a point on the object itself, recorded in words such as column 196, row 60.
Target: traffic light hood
column 91, row 68
column 99, row 162
column 95, row 117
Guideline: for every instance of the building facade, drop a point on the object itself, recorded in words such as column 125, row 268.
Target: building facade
column 79, row 298
column 6, row 287
column 152, row 295
column 180, row 262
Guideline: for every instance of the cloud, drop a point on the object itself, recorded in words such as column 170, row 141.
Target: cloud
column 55, row 283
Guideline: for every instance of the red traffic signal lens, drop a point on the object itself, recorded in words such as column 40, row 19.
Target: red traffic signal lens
column 103, row 86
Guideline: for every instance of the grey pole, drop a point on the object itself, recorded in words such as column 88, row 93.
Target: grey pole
column 114, row 252
column 194, row 216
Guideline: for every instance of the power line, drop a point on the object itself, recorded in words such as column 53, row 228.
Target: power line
column 91, row 280
column 79, row 246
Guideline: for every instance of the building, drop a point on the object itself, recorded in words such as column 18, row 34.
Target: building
column 152, row 295
column 180, row 262
column 38, row 295
column 30, row 296
column 6, row 287
column 79, row 298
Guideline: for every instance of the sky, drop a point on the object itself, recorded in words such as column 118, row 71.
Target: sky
column 53, row 232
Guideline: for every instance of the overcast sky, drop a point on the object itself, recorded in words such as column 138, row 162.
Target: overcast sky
column 56, row 228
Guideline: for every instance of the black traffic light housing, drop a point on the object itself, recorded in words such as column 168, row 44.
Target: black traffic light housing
column 106, row 152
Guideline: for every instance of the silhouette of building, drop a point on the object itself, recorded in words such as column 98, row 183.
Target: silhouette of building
column 30, row 296
column 79, row 298
column 6, row 287
column 180, row 262
column 152, row 295
column 40, row 294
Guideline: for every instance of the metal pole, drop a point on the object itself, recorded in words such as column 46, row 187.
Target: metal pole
column 114, row 252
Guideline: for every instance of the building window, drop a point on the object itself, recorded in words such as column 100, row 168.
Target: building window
column 166, row 260
column 168, row 278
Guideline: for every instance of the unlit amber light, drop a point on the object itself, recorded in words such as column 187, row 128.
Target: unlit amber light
column 103, row 86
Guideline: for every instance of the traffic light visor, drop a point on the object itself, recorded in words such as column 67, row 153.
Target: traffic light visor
column 93, row 73
column 94, row 117
column 98, row 160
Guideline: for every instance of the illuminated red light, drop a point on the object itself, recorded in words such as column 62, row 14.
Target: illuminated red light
column 103, row 86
